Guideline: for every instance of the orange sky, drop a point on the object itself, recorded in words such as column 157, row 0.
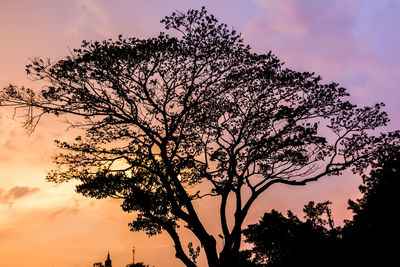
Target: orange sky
column 355, row 44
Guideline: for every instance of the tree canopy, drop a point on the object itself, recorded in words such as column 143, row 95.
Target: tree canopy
column 370, row 238
column 280, row 240
column 374, row 229
column 164, row 115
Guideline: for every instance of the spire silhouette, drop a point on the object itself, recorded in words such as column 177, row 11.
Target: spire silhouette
column 107, row 263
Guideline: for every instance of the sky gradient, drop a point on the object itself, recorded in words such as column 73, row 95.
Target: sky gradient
column 354, row 43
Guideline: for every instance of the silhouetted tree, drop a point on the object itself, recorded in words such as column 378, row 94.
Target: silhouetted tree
column 288, row 241
column 369, row 239
column 314, row 214
column 164, row 115
column 372, row 236
column 138, row 264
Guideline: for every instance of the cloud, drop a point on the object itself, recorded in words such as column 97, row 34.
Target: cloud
column 353, row 43
column 73, row 208
column 316, row 33
column 15, row 193
column 90, row 17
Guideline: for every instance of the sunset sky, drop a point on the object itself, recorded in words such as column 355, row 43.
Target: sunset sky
column 353, row 42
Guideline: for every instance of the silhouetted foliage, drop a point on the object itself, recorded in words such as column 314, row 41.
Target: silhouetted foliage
column 163, row 115
column 370, row 239
column 372, row 236
column 138, row 264
column 288, row 241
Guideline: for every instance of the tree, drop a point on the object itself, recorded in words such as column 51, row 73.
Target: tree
column 168, row 121
column 374, row 229
column 314, row 213
column 370, row 238
column 288, row 241
column 139, row 264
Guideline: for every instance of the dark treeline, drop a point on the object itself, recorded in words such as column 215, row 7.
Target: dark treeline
column 370, row 238
column 139, row 264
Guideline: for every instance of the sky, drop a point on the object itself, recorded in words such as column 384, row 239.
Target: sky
column 352, row 42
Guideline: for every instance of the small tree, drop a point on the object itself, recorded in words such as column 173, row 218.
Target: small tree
column 164, row 115
column 139, row 264
column 314, row 212
column 280, row 240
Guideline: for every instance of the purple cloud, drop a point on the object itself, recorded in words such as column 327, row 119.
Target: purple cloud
column 318, row 34
column 354, row 43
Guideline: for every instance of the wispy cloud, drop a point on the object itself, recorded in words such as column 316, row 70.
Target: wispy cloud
column 92, row 17
column 15, row 193
column 308, row 31
column 354, row 43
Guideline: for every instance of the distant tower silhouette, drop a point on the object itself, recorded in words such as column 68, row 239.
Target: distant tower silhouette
column 107, row 263
column 133, row 255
